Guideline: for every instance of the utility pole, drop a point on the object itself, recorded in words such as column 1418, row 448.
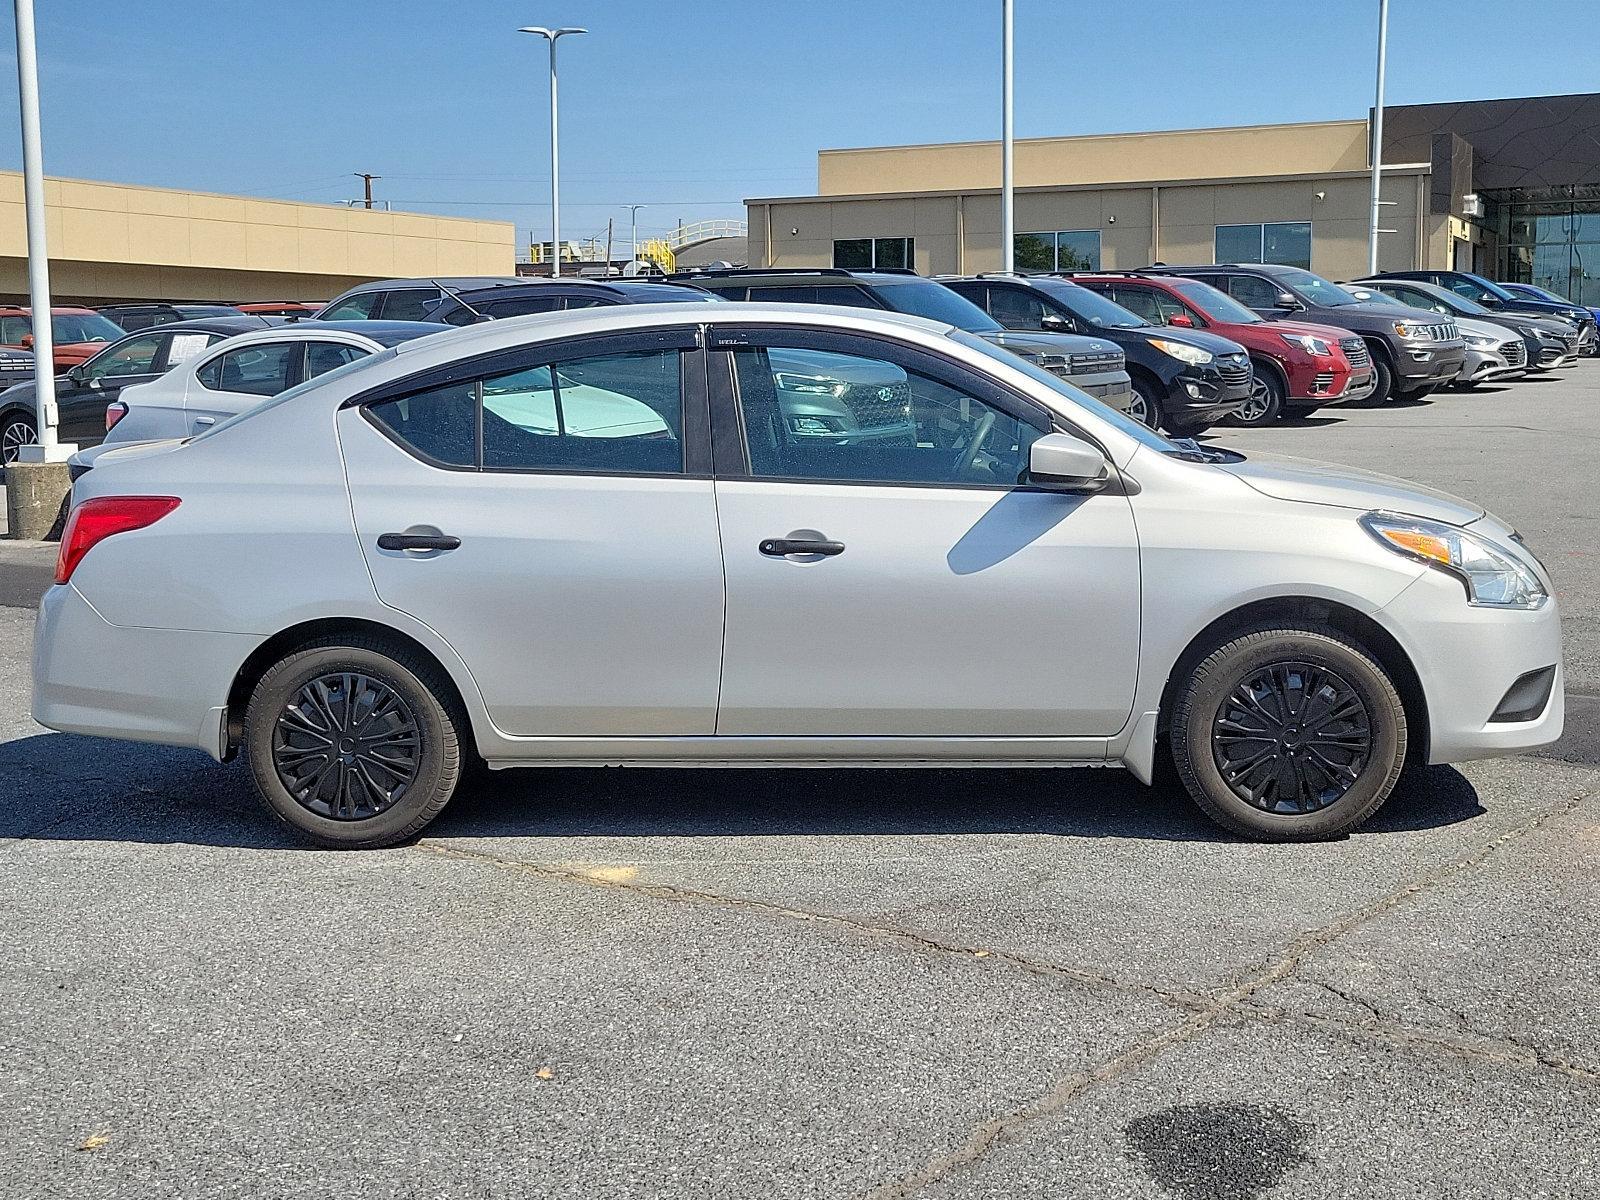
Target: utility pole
column 1008, row 240
column 609, row 230
column 633, row 228
column 366, row 181
column 1377, row 138
column 553, row 36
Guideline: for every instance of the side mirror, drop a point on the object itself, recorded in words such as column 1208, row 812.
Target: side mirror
column 1067, row 462
column 1489, row 301
column 75, row 375
column 1180, row 320
column 1287, row 300
column 27, row 341
column 1055, row 322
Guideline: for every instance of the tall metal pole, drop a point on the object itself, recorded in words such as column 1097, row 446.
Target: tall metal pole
column 633, row 230
column 552, row 36
column 44, row 371
column 1008, row 241
column 1377, row 137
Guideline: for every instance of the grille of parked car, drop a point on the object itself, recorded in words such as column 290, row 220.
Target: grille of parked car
column 1234, row 368
column 1095, row 362
column 877, row 405
column 1323, row 381
column 1445, row 331
column 1515, row 352
column 1356, row 351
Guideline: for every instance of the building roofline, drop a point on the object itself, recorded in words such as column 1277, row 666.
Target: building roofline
column 1090, row 137
column 1133, row 185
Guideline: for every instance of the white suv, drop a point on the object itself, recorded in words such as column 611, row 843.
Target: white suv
column 612, row 536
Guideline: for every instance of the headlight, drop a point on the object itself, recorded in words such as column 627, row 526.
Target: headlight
column 1493, row 577
column 1408, row 329
column 1479, row 343
column 1182, row 351
column 1311, row 345
column 810, row 385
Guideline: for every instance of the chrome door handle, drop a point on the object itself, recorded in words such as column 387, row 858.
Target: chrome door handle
column 780, row 547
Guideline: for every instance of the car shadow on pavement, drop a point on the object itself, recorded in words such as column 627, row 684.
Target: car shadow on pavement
column 67, row 788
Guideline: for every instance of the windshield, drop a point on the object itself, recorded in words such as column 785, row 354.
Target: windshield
column 1373, row 296
column 67, row 328
column 1217, row 305
column 925, row 298
column 1090, row 307
column 1457, row 304
column 338, row 372
column 1073, row 397
column 1313, row 288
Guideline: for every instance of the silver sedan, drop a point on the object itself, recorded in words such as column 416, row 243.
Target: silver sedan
column 774, row 536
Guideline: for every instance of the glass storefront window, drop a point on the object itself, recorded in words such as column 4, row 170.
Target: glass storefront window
column 1285, row 242
column 1063, row 250
column 1551, row 241
column 874, row 254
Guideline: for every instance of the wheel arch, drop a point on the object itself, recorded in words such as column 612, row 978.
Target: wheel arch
column 1358, row 626
column 286, row 641
column 1261, row 360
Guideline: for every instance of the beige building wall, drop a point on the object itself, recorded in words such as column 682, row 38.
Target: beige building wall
column 1111, row 158
column 960, row 232
column 118, row 241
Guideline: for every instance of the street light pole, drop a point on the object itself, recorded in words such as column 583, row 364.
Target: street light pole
column 633, row 230
column 1008, row 240
column 44, row 371
column 552, row 36
column 1377, row 137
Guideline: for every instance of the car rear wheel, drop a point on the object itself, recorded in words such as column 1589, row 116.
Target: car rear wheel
column 15, row 433
column 1265, row 401
column 1289, row 734
column 352, row 743
column 1145, row 405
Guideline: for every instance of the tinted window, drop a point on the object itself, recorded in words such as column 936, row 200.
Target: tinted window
column 815, row 415
column 620, row 412
column 353, row 308
column 850, row 297
column 1253, row 291
column 925, row 298
column 14, row 329
column 1419, row 299
column 409, row 304
column 517, row 306
column 136, row 356
column 254, row 370
column 785, row 293
column 67, row 328
column 1139, row 301
column 1090, row 306
column 1016, row 308
column 1219, row 306
column 440, row 423
column 322, row 357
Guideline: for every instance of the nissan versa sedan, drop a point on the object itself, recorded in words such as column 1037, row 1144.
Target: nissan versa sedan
column 602, row 537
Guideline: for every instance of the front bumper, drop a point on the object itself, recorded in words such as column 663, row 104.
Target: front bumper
column 1480, row 366
column 1468, row 660
column 1423, row 363
column 148, row 685
column 1202, row 393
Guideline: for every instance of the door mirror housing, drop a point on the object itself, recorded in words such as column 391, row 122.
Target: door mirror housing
column 27, row 341
column 1287, row 300
column 1064, row 461
column 1180, row 320
column 1056, row 323
column 75, row 375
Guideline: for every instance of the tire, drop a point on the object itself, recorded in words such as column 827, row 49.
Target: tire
column 1265, row 403
column 1212, row 721
column 16, row 431
column 1145, row 407
column 1382, row 382
column 357, row 800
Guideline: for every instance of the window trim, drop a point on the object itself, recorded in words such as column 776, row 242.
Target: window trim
column 686, row 340
column 730, row 447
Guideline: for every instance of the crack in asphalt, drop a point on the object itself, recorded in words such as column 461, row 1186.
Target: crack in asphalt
column 919, row 941
column 1207, row 1010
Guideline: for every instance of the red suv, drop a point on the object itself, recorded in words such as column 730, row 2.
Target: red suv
column 1299, row 367
column 78, row 334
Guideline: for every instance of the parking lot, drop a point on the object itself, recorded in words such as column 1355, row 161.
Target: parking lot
column 891, row 984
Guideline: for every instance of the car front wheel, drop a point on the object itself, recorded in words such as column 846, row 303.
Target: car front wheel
column 352, row 743
column 1145, row 406
column 1288, row 735
column 1264, row 403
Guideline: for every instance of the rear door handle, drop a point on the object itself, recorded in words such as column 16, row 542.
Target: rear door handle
column 417, row 541
column 203, row 421
column 779, row 547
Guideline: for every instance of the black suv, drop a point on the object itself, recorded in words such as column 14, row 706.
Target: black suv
column 1094, row 366
column 404, row 299
column 1184, row 381
column 134, row 317
column 1413, row 352
column 467, row 306
column 1491, row 295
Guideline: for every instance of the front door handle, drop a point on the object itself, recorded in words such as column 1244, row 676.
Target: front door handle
column 780, row 547
column 204, row 421
column 417, row 541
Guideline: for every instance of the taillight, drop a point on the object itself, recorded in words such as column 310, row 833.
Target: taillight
column 95, row 520
column 115, row 411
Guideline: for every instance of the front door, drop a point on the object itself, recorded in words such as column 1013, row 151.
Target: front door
column 886, row 574
column 550, row 514
column 82, row 395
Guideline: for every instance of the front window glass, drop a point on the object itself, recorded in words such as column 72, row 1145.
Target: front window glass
column 815, row 415
column 1015, row 308
column 1469, row 289
column 925, row 298
column 1090, row 307
column 1141, row 302
column 1217, row 305
column 186, row 344
column 136, row 356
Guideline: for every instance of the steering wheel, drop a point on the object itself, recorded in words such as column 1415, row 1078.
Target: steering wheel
column 969, row 453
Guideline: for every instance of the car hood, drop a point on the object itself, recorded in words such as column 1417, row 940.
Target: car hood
column 1308, row 482
column 1326, row 333
column 1029, row 342
column 1212, row 342
column 1481, row 327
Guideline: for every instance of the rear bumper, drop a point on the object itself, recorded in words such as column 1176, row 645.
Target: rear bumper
column 149, row 685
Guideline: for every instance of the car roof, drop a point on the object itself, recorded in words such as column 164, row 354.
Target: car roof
column 229, row 324
column 383, row 333
column 56, row 310
column 459, row 283
column 839, row 275
column 531, row 287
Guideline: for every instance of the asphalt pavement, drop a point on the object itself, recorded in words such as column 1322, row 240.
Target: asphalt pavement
column 666, row 983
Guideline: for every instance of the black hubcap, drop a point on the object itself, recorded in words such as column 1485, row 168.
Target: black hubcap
column 1291, row 738
column 346, row 746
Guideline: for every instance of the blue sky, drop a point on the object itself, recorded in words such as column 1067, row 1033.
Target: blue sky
column 690, row 106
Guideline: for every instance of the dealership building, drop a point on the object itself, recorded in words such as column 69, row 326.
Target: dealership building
column 1509, row 188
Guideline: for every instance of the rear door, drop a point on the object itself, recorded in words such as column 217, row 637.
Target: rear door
column 566, row 495
column 239, row 379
